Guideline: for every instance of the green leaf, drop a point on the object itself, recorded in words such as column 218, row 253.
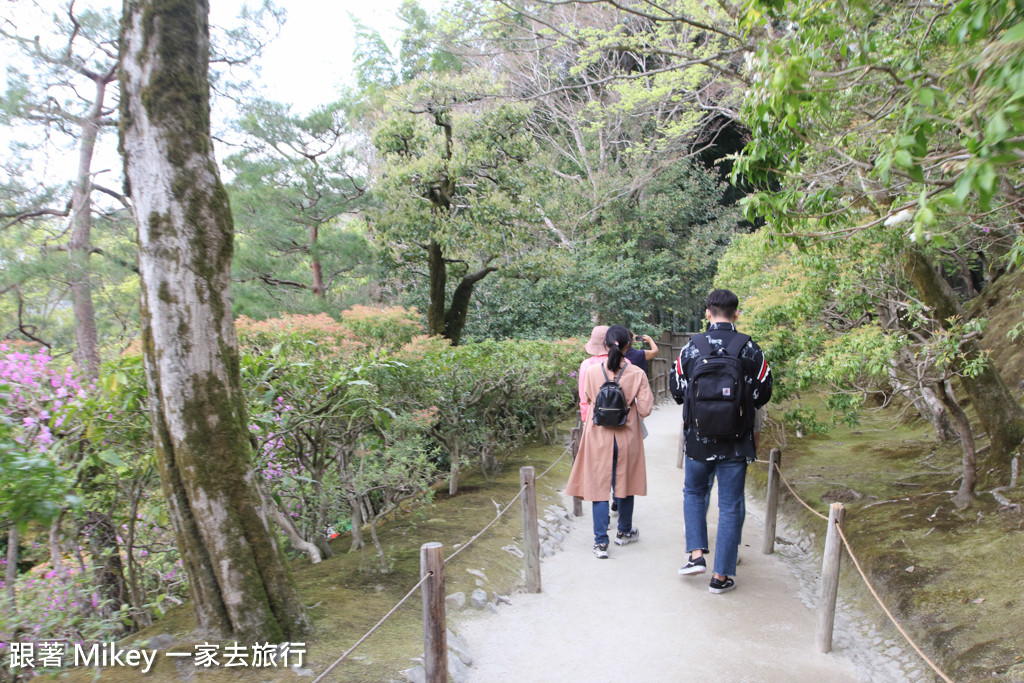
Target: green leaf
column 111, row 457
column 1014, row 35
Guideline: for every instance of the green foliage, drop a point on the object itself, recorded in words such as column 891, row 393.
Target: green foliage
column 457, row 189
column 31, row 486
column 390, row 328
column 293, row 193
column 814, row 314
column 916, row 121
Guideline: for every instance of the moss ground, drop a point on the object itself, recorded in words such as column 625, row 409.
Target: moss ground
column 347, row 594
column 952, row 578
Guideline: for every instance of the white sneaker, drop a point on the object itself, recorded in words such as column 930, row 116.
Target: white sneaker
column 632, row 536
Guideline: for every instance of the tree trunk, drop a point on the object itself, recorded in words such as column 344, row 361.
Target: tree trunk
column 318, row 269
column 996, row 408
column 11, row 572
column 288, row 527
column 108, row 569
column 965, row 494
column 87, row 355
column 453, row 470
column 56, row 554
column 921, row 395
column 140, row 616
column 238, row 580
column 438, row 283
column 455, row 319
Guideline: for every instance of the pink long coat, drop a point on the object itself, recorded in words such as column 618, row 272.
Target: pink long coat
column 591, row 476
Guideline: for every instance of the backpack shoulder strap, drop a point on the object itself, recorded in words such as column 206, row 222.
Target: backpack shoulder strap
column 603, row 372
column 737, row 344
column 701, row 342
column 621, row 370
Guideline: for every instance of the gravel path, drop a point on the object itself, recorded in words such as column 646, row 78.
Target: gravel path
column 633, row 618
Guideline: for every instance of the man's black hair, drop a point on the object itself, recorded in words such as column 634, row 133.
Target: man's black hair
column 722, row 303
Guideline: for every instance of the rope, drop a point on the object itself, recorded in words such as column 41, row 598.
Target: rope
column 448, row 559
column 568, row 449
column 885, row 609
column 798, row 498
column 372, row 630
column 480, row 533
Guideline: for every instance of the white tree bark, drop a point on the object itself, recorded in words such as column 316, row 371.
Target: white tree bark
column 239, row 584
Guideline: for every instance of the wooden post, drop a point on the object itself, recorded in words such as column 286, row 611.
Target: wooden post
column 577, row 434
column 435, row 641
column 830, row 578
column 772, row 503
column 531, row 535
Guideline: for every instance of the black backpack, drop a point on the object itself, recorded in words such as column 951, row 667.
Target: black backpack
column 717, row 401
column 610, row 407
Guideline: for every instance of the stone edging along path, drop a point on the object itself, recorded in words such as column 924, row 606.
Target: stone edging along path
column 632, row 617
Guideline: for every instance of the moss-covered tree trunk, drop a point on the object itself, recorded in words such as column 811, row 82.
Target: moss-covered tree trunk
column 239, row 583
column 996, row 408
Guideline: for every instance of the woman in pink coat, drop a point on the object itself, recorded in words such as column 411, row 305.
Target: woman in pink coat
column 612, row 458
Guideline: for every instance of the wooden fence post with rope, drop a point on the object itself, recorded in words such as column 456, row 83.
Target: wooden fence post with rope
column 830, row 577
column 435, row 640
column 771, row 510
column 531, row 534
column 577, row 434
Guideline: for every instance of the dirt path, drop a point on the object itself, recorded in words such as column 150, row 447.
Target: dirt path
column 633, row 618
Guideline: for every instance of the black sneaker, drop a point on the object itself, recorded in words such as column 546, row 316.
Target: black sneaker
column 692, row 566
column 632, row 536
column 615, row 506
column 601, row 551
column 723, row 586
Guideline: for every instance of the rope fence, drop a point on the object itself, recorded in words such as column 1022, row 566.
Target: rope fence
column 369, row 633
column 524, row 488
column 830, row 564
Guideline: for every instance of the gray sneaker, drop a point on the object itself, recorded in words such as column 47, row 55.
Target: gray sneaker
column 601, row 551
column 631, row 536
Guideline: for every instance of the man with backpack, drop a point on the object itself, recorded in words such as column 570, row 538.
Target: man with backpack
column 721, row 377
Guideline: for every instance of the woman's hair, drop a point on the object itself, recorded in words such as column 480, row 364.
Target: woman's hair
column 616, row 340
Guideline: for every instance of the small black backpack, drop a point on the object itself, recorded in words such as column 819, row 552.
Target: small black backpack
column 610, row 407
column 717, row 404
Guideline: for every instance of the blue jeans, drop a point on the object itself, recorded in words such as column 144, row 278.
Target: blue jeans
column 600, row 507
column 732, row 475
column 707, row 501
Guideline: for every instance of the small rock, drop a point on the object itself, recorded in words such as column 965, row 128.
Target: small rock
column 910, row 569
column 558, row 536
column 457, row 671
column 161, row 641
column 480, row 583
column 492, row 608
column 300, row 671
column 478, row 599
column 457, row 648
column 455, row 601
column 499, row 599
column 546, row 549
column 514, row 551
column 417, row 674
column 479, row 573
column 978, row 601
